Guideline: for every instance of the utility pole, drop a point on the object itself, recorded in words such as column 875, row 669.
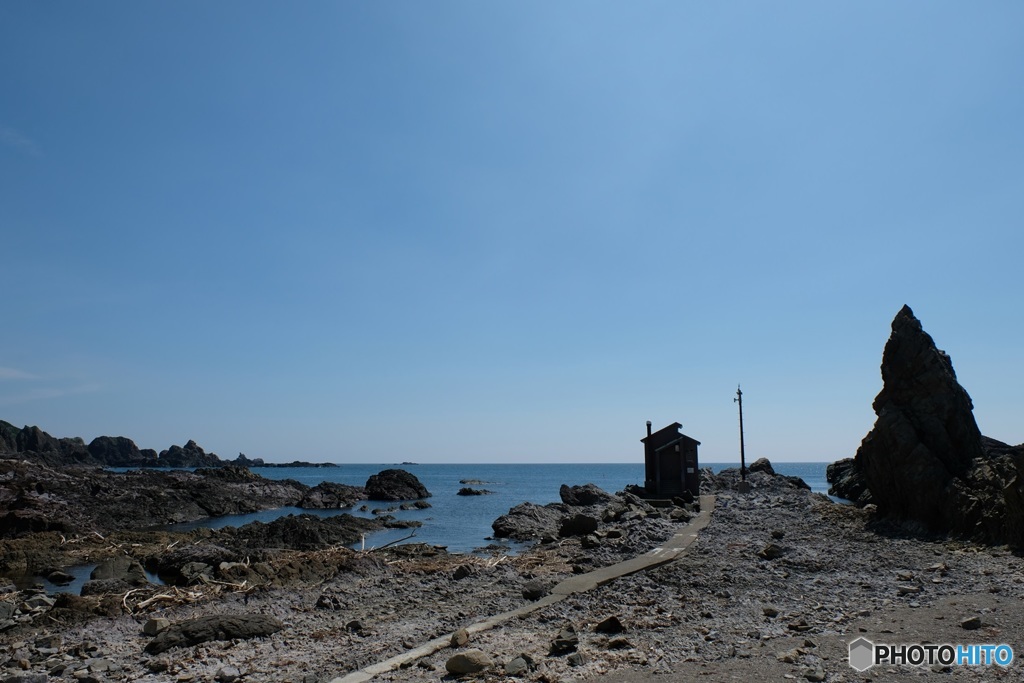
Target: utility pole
column 743, row 457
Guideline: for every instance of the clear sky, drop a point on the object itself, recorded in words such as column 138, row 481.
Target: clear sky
column 482, row 231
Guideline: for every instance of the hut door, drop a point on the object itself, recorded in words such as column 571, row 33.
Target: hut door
column 671, row 472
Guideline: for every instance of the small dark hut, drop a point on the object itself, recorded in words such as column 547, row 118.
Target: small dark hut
column 670, row 459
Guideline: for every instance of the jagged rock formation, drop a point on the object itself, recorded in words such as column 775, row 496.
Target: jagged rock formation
column 32, row 443
column 925, row 461
column 848, row 482
column 925, row 438
column 189, row 455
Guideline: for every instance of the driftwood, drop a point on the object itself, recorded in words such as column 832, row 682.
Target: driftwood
column 406, row 538
column 178, row 596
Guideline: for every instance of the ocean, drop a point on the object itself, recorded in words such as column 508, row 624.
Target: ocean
column 463, row 523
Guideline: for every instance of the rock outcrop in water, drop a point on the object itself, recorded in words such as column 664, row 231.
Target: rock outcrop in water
column 925, row 462
column 189, row 455
column 395, row 485
column 35, row 497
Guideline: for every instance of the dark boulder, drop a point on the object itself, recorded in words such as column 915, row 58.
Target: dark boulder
column 30, row 520
column 794, row 481
column 214, row 627
column 468, row 662
column 578, row 525
column 115, row 575
column 565, row 642
column 395, row 485
column 60, row 578
column 611, row 625
column 762, row 465
column 119, row 451
column 304, row 532
column 120, row 567
column 848, row 481
column 529, row 521
column 535, row 590
column 587, row 494
column 329, row 495
column 467, row 491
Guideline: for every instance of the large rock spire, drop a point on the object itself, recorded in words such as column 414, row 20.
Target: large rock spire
column 925, row 438
column 925, row 462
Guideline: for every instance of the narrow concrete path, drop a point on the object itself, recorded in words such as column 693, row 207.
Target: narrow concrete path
column 581, row 583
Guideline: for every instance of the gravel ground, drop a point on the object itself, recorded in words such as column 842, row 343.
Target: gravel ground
column 775, row 587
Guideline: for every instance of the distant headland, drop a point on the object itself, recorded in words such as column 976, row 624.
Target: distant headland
column 117, row 451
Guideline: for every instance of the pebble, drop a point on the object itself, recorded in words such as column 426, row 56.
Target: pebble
column 227, row 674
column 517, row 667
column 971, row 623
column 460, row 638
column 468, row 662
column 154, row 626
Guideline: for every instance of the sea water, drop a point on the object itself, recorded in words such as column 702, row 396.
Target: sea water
column 463, row 523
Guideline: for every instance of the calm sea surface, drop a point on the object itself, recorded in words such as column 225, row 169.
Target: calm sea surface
column 463, row 523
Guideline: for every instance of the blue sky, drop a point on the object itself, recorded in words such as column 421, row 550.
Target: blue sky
column 465, row 232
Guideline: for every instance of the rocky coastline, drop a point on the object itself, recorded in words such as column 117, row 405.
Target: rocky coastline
column 775, row 585
column 51, row 516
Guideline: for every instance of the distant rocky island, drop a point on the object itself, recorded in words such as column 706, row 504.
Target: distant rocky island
column 117, row 451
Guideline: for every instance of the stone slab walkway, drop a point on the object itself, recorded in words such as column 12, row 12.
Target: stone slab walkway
column 581, row 583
